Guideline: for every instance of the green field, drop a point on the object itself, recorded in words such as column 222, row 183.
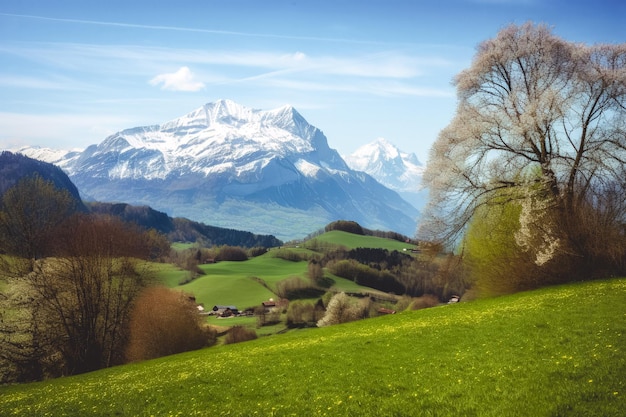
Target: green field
column 558, row 351
column 352, row 241
column 170, row 275
column 234, row 283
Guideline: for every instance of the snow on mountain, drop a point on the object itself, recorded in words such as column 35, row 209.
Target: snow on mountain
column 400, row 171
column 53, row 156
column 228, row 165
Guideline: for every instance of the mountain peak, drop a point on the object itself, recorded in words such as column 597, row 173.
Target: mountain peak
column 224, row 161
column 393, row 168
column 227, row 111
column 386, row 148
column 381, row 151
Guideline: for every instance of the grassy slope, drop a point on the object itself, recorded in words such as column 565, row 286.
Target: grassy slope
column 170, row 275
column 352, row 241
column 231, row 283
column 556, row 351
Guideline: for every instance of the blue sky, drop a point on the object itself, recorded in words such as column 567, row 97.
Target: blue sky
column 73, row 72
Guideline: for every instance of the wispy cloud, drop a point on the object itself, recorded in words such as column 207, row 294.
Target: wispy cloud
column 390, row 64
column 194, row 30
column 181, row 80
column 224, row 66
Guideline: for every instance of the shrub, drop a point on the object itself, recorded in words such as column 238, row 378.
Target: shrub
column 238, row 334
column 425, row 301
column 231, row 253
column 289, row 255
column 342, row 309
column 164, row 322
column 294, row 287
column 267, row 318
column 301, row 314
column 257, row 251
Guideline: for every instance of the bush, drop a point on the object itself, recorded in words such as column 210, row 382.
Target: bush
column 289, row 255
column 425, row 301
column 267, row 318
column 342, row 309
column 164, row 322
column 256, row 251
column 294, row 288
column 238, row 334
column 301, row 314
column 232, row 253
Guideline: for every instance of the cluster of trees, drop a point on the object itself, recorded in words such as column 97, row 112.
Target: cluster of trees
column 189, row 231
column 70, row 282
column 399, row 273
column 355, row 228
column 530, row 175
column 181, row 229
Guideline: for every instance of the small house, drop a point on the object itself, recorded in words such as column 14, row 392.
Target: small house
column 225, row 311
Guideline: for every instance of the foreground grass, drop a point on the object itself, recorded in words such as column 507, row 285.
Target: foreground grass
column 553, row 352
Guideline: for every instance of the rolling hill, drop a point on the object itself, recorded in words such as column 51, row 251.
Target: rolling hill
column 242, row 283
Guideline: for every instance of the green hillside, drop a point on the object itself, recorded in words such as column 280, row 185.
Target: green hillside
column 242, row 283
column 351, row 241
column 558, row 351
column 232, row 283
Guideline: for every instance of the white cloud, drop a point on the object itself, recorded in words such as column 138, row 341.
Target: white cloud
column 181, row 80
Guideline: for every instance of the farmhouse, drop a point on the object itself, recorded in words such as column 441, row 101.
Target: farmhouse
column 225, row 311
column 269, row 306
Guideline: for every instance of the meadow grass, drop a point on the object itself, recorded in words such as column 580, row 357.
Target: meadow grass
column 169, row 275
column 234, row 283
column 181, row 246
column 352, row 241
column 553, row 352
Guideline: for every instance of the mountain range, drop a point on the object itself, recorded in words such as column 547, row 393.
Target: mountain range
column 224, row 164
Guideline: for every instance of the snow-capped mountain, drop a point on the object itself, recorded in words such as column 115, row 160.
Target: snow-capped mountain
column 400, row 171
column 228, row 165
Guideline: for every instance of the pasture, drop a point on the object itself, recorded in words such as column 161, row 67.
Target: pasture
column 352, row 241
column 248, row 283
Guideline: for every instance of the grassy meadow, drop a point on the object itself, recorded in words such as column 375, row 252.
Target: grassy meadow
column 248, row 283
column 557, row 351
column 352, row 241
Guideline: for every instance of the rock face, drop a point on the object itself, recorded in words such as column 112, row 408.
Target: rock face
column 227, row 165
column 400, row 171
